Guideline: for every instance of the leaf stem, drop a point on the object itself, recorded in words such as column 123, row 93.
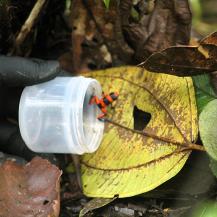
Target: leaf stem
column 191, row 146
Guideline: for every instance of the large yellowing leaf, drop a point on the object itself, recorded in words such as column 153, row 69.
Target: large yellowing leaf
column 128, row 162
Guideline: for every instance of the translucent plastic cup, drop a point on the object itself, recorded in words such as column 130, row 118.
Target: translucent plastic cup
column 56, row 117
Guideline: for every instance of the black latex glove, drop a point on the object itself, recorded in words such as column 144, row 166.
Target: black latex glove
column 15, row 74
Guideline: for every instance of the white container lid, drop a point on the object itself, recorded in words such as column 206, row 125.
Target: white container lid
column 56, row 117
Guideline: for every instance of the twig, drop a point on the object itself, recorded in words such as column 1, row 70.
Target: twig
column 29, row 23
column 149, row 134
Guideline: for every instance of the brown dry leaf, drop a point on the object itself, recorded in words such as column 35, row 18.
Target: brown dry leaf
column 210, row 39
column 30, row 190
column 161, row 24
column 104, row 37
column 185, row 60
column 210, row 42
column 89, row 50
column 109, row 25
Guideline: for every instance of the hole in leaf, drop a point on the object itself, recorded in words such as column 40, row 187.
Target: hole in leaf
column 45, row 202
column 141, row 118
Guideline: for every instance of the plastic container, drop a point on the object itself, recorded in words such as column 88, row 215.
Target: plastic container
column 56, row 117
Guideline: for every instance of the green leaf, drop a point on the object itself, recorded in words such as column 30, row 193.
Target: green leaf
column 204, row 91
column 207, row 209
column 213, row 167
column 208, row 128
column 106, row 2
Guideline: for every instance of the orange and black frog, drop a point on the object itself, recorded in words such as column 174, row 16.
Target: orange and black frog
column 103, row 102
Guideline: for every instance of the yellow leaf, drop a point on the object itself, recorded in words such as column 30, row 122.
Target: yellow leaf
column 129, row 163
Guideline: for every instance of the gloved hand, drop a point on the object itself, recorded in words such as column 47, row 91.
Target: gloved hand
column 15, row 74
